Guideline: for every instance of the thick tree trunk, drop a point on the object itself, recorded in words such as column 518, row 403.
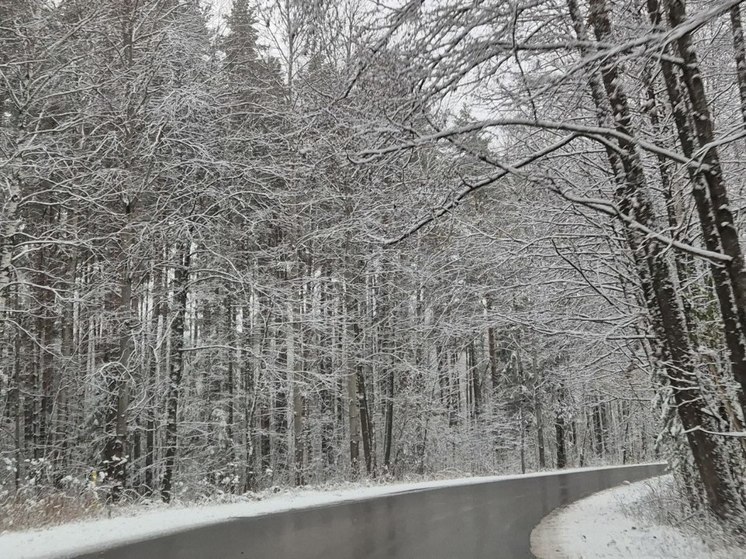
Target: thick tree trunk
column 176, row 368
column 684, row 262
column 475, row 379
column 365, row 421
column 354, row 420
column 560, row 425
column 559, row 434
column 733, row 329
column 713, row 176
column 115, row 450
column 666, row 313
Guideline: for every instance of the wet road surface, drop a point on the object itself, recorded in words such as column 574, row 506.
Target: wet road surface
column 482, row 521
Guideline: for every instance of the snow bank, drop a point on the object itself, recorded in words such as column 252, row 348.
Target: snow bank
column 80, row 537
column 615, row 523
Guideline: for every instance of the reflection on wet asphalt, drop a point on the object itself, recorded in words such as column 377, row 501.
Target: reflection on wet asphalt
column 483, row 521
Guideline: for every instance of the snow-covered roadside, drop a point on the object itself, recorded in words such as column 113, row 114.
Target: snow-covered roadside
column 621, row 523
column 79, row 537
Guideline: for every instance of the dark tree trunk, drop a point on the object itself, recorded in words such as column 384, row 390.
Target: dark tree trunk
column 538, row 411
column 492, row 349
column 684, row 262
column 666, row 313
column 160, row 316
column 15, row 399
column 559, row 432
column 598, row 430
column 388, row 440
column 476, row 381
column 365, row 423
column 560, row 425
column 733, row 329
column 713, row 177
column 176, row 372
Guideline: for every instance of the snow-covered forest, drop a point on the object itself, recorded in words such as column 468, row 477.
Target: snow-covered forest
column 285, row 242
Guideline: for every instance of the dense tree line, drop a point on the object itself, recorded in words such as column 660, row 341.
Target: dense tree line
column 330, row 240
column 631, row 111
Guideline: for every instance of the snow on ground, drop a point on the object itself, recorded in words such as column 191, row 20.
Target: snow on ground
column 623, row 522
column 88, row 535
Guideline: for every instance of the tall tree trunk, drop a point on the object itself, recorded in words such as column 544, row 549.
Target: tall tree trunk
column 291, row 413
column 230, row 381
column 476, row 381
column 492, row 347
column 8, row 229
column 713, row 177
column 365, row 421
column 539, row 411
column 351, row 377
column 115, row 449
column 16, row 400
column 733, row 328
column 354, row 420
column 666, row 313
column 10, row 220
column 158, row 324
column 560, row 428
column 598, row 429
column 388, row 436
column 176, row 369
column 522, row 428
column 11, row 192
column 739, row 49
column 685, row 267
column 296, row 399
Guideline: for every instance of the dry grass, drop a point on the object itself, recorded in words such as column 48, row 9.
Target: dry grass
column 23, row 511
column 664, row 504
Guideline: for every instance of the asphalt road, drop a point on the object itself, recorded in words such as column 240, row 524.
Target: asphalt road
column 486, row 520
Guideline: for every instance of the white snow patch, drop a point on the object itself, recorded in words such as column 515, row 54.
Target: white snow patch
column 86, row 536
column 612, row 524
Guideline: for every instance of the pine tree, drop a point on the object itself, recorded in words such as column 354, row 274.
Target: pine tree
column 240, row 45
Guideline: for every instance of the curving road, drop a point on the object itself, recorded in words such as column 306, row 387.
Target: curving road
column 478, row 521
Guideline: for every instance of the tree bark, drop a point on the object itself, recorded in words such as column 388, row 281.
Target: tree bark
column 739, row 49
column 733, row 328
column 559, row 429
column 705, row 132
column 538, row 411
column 365, row 421
column 176, row 369
column 350, row 379
column 666, row 313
